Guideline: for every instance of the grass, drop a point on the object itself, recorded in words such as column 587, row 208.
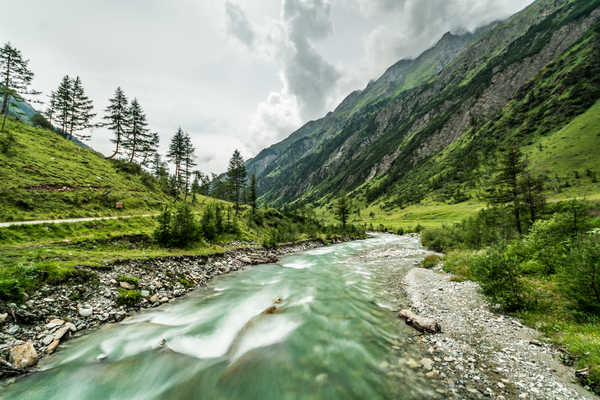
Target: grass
column 45, row 176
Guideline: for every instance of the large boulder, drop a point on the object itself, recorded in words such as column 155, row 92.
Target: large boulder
column 23, row 355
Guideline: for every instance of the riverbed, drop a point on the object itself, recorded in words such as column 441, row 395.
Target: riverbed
column 320, row 324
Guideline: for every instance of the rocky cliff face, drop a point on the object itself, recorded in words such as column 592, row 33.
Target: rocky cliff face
column 376, row 137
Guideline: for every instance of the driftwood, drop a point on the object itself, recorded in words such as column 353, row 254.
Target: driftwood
column 421, row 324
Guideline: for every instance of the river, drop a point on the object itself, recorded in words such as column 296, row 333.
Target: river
column 333, row 334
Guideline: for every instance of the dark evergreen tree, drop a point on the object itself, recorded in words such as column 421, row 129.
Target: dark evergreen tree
column 236, row 178
column 15, row 78
column 149, row 147
column 80, row 111
column 116, row 117
column 532, row 189
column 176, row 154
column 188, row 162
column 342, row 209
column 252, row 194
column 137, row 133
column 63, row 96
column 505, row 185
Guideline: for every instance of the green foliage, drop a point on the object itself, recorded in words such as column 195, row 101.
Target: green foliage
column 430, row 261
column 129, row 298
column 178, row 229
column 129, row 279
column 580, row 275
column 499, row 273
column 39, row 121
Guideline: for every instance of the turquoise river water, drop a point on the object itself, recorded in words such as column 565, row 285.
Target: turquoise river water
column 334, row 335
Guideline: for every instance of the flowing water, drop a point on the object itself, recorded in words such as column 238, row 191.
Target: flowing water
column 334, row 335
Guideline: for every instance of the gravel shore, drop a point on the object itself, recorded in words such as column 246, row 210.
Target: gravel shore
column 53, row 314
column 483, row 354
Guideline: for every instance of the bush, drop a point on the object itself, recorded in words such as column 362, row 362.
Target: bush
column 580, row 276
column 499, row 273
column 39, row 121
column 179, row 229
column 129, row 298
column 430, row 261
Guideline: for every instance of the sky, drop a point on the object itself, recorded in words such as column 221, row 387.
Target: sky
column 234, row 74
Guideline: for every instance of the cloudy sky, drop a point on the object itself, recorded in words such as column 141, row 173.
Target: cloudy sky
column 233, row 73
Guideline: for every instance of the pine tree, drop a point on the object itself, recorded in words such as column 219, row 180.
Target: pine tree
column 236, row 178
column 342, row 209
column 116, row 114
column 137, row 133
column 505, row 185
column 176, row 152
column 52, row 107
column 188, row 162
column 80, row 111
column 149, row 147
column 252, row 195
column 63, row 96
column 532, row 189
column 15, row 78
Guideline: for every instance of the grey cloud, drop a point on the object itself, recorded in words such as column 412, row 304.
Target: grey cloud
column 307, row 75
column 238, row 24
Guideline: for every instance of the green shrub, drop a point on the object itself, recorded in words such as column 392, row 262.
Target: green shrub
column 129, row 298
column 179, row 229
column 499, row 273
column 162, row 234
column 580, row 276
column 430, row 261
column 11, row 290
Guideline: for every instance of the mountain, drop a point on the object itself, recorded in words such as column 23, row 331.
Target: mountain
column 429, row 127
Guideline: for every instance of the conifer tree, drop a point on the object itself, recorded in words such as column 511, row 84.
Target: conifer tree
column 52, row 107
column 189, row 162
column 176, row 152
column 505, row 185
column 137, row 133
column 252, row 195
column 15, row 78
column 63, row 96
column 236, row 178
column 80, row 111
column 116, row 117
column 149, row 147
column 342, row 209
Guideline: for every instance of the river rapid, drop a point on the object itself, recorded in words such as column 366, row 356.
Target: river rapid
column 320, row 324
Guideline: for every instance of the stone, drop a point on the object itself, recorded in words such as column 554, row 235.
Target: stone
column 155, row 298
column 54, row 323
column 411, row 363
column 85, row 311
column 52, row 347
column 126, row 285
column 47, row 340
column 23, row 355
column 13, row 329
column 427, row 364
column 145, row 293
column 3, row 317
column 421, row 324
column 164, row 299
column 62, row 331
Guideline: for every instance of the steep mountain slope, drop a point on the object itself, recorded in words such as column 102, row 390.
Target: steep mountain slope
column 526, row 78
column 46, row 176
column 402, row 76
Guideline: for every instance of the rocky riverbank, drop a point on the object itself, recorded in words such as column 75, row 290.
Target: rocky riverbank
column 481, row 353
column 53, row 314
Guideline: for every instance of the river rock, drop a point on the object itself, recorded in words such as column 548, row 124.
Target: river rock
column 13, row 329
column 427, row 364
column 145, row 293
column 23, row 355
column 47, row 340
column 54, row 323
column 52, row 347
column 421, row 324
column 126, row 285
column 3, row 317
column 62, row 331
column 85, row 311
column 154, row 299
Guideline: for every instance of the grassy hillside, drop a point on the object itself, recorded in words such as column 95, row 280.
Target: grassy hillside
column 45, row 176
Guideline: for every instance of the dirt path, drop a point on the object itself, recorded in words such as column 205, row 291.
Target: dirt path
column 70, row 220
column 489, row 354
